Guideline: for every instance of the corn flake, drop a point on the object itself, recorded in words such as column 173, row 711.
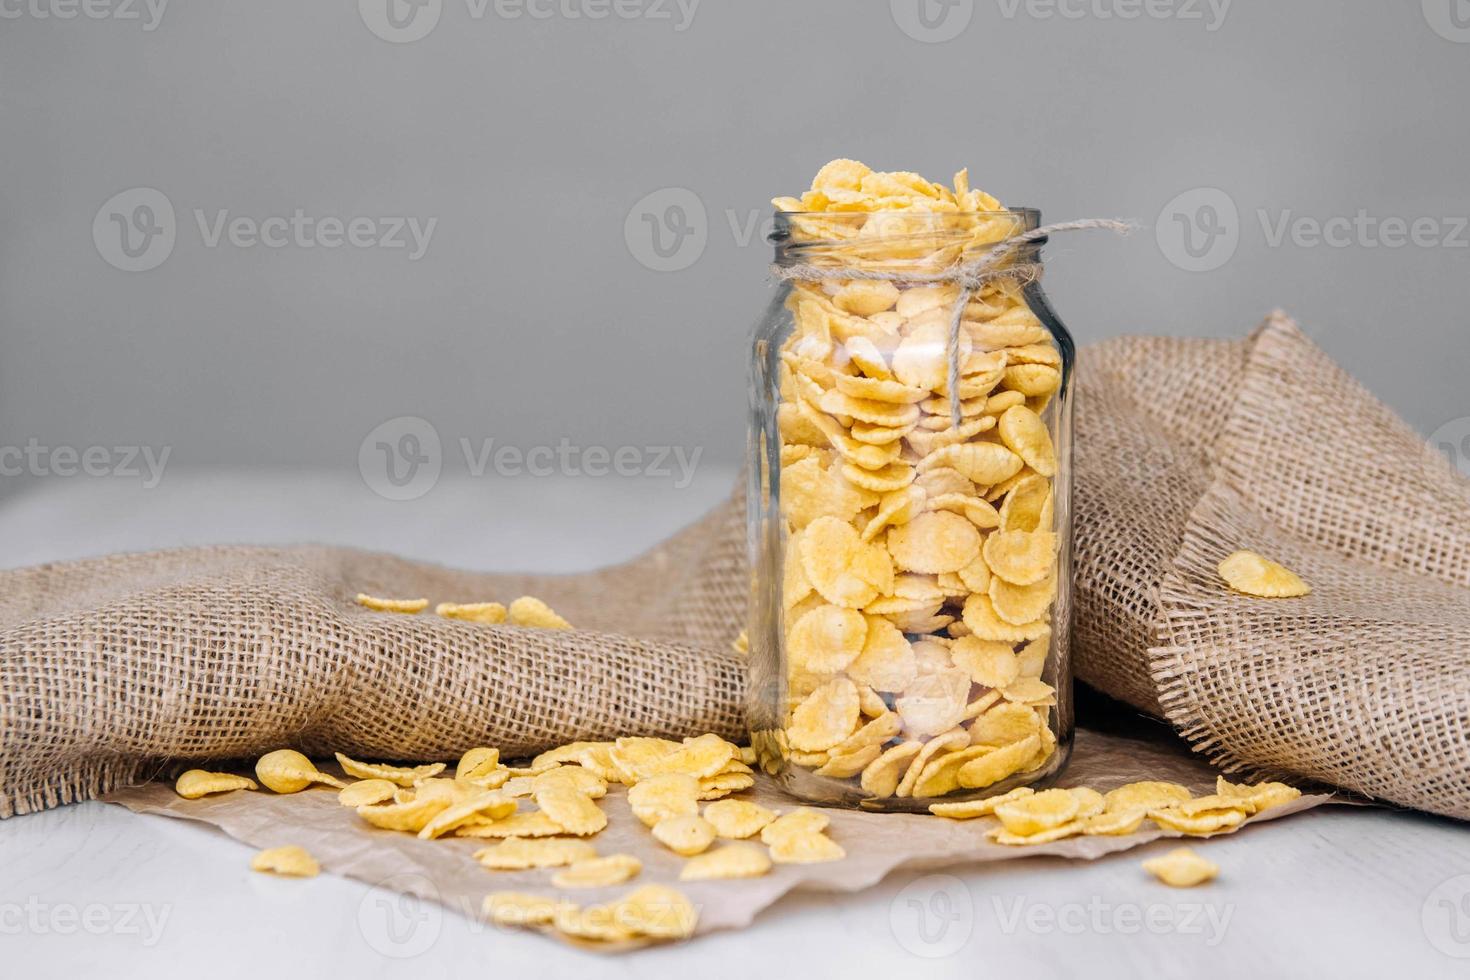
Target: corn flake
column 1181, row 868
column 530, row 611
column 1249, row 573
column 197, row 783
column 288, row 771
column 933, row 542
column 520, row 854
column 598, row 872
column 685, row 836
column 291, row 861
column 737, row 819
column 408, row 606
column 729, row 861
column 398, row 775
column 662, row 797
column 472, row 612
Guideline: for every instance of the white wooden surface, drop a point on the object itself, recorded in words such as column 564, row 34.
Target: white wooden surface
column 1340, row 891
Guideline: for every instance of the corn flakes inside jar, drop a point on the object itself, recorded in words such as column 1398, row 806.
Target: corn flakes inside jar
column 909, row 499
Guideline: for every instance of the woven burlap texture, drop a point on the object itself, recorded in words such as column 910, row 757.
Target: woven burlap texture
column 1188, row 450
column 113, row 669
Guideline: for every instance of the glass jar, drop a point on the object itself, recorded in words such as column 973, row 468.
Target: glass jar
column 910, row 577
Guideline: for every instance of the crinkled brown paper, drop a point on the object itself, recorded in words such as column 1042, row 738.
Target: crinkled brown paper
column 445, row 871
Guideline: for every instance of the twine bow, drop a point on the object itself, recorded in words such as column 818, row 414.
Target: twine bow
column 969, row 276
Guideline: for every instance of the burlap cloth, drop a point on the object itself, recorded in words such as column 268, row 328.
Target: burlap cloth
column 116, row 669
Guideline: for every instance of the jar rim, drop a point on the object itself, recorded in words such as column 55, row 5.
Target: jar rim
column 794, row 244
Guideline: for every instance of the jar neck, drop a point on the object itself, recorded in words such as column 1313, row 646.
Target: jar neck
column 899, row 241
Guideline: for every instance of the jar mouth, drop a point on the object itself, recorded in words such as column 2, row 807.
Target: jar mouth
column 897, row 240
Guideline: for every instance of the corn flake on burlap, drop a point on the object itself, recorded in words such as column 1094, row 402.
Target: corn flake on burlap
column 1186, row 450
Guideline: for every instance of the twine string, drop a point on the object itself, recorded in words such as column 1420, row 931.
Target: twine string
column 969, row 276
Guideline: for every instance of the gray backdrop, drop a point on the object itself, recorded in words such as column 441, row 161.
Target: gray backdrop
column 550, row 141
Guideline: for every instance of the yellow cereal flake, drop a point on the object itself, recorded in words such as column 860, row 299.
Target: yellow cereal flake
column 405, row 776
column 730, row 861
column 1003, row 724
column 367, row 792
column 593, row 923
column 1002, row 836
column 998, row 763
column 1249, row 573
column 934, row 703
column 983, row 621
column 197, row 782
column 519, row 909
column 1262, row 795
column 1026, row 435
column 737, row 819
column 410, row 816
column 826, row 717
column 657, row 911
column 520, row 854
column 989, row 663
column 530, row 611
column 599, row 872
column 1207, row 822
column 1113, row 823
column 685, row 836
column 881, row 777
column 1022, row 604
column 886, row 662
column 805, row 848
column 477, row 762
column 970, row 809
column 803, row 820
column 1146, row 795
column 935, row 541
column 982, row 463
column 491, row 805
column 826, row 639
column 660, row 798
column 1181, row 868
column 288, row 771
column 533, row 823
column 1021, row 557
column 564, row 803
column 472, row 612
column 1027, row 507
column 291, row 861
column 1033, row 814
column 409, row 606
